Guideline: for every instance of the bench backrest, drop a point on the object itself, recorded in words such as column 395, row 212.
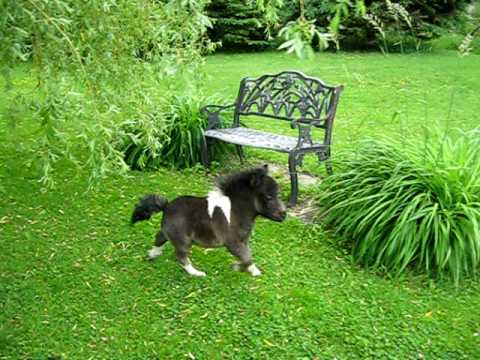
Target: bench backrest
column 289, row 95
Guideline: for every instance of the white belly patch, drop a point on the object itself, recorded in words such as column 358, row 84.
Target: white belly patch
column 217, row 199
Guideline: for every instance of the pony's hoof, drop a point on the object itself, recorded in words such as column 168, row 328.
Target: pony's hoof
column 154, row 253
column 192, row 271
column 198, row 273
column 253, row 270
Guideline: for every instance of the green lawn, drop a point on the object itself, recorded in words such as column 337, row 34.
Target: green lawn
column 75, row 285
column 394, row 95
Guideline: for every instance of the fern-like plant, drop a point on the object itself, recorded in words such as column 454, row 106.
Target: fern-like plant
column 377, row 24
column 410, row 203
column 465, row 48
column 394, row 24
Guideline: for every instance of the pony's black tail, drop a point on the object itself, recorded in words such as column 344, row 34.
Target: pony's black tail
column 148, row 205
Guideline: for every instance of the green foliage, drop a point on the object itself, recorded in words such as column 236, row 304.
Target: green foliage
column 270, row 10
column 185, row 130
column 100, row 64
column 405, row 25
column 460, row 32
column 300, row 34
column 466, row 47
column 332, row 19
column 143, row 141
column 396, row 28
column 472, row 25
column 435, row 11
column 170, row 137
column 338, row 18
column 410, row 203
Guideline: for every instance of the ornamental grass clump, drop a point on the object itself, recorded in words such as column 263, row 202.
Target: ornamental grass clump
column 185, row 129
column 172, row 136
column 410, row 203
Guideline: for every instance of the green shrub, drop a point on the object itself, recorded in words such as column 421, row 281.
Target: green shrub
column 410, row 203
column 172, row 136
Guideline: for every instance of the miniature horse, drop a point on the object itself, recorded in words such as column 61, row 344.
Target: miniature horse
column 225, row 218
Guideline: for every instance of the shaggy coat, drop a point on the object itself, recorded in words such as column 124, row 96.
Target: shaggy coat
column 224, row 218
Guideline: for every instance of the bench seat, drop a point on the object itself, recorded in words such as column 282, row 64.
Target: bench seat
column 256, row 138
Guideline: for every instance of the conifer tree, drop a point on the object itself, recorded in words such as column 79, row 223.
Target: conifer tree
column 237, row 23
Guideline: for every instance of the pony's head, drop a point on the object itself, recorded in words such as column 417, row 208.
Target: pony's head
column 262, row 188
column 267, row 201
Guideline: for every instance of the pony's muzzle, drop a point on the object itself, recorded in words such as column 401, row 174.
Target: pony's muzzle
column 280, row 215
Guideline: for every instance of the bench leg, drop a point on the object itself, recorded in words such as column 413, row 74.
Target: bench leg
column 292, row 169
column 240, row 153
column 328, row 166
column 328, row 163
column 204, row 153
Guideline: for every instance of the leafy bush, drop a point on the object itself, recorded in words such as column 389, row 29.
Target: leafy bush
column 410, row 203
column 172, row 136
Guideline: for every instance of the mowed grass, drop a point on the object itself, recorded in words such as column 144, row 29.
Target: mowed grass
column 75, row 284
column 394, row 95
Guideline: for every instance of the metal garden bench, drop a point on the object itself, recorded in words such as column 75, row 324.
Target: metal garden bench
column 291, row 96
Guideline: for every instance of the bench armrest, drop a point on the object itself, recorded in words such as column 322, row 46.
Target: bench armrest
column 212, row 112
column 305, row 132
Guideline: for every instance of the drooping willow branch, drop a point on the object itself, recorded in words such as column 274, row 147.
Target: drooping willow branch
column 64, row 35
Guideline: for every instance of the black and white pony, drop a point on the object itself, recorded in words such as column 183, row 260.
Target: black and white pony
column 224, row 218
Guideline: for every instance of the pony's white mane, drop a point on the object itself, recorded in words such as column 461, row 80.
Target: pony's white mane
column 216, row 198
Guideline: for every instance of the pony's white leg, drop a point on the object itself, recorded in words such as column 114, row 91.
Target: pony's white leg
column 157, row 248
column 154, row 252
column 191, row 270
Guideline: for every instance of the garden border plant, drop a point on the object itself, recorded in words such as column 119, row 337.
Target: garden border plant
column 410, row 203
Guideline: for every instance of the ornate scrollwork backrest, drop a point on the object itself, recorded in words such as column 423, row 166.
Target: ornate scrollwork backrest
column 289, row 95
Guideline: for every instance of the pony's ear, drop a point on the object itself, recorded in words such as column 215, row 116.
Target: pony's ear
column 257, row 176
